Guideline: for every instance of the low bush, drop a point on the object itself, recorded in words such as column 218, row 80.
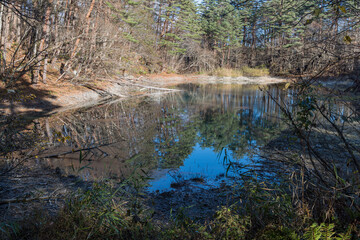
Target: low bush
column 255, row 72
column 244, row 71
column 104, row 212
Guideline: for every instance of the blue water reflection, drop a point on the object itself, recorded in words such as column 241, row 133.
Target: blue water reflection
column 175, row 137
column 215, row 125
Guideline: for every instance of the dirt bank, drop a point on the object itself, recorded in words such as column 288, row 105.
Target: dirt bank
column 47, row 99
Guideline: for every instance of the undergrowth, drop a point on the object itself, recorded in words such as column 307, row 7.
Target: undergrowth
column 244, row 71
column 107, row 211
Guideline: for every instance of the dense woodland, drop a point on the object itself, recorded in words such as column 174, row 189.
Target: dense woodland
column 314, row 195
column 94, row 38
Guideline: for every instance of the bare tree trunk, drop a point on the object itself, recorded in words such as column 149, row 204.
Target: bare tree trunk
column 244, row 37
column 87, row 29
column 4, row 36
column 56, row 30
column 18, row 30
column 158, row 26
column 228, row 58
column 93, row 45
column 253, row 33
column 34, row 79
column 1, row 39
column 46, row 30
column 13, row 27
column 68, row 13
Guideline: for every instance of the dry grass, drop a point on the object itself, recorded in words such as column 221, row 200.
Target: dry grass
column 226, row 72
column 244, row 71
column 255, row 72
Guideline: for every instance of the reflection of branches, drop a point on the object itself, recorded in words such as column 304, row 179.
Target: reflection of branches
column 349, row 147
column 328, row 146
column 19, row 163
column 165, row 132
column 78, row 150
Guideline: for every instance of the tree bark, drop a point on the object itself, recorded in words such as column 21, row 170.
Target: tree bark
column 45, row 39
column 87, row 29
column 1, row 39
column 5, row 36
column 34, row 79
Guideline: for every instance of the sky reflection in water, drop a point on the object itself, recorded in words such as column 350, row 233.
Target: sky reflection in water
column 237, row 120
column 186, row 133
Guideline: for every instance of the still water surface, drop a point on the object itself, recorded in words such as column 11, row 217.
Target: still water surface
column 192, row 134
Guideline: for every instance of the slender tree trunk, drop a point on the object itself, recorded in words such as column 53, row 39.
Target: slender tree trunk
column 68, row 13
column 94, row 38
column 56, row 30
column 87, row 29
column 165, row 26
column 244, row 37
column 253, row 43
column 228, row 57
column 45, row 39
column 5, row 36
column 243, row 52
column 18, row 30
column 14, row 27
column 158, row 25
column 1, row 39
column 34, row 43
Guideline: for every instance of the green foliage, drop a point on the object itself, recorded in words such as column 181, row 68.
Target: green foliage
column 347, row 39
column 130, row 37
column 98, row 213
column 324, row 232
column 278, row 233
column 306, row 112
column 230, row 224
column 186, row 28
column 107, row 212
column 221, row 23
column 7, row 230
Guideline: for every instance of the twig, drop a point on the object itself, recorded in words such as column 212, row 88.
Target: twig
column 18, row 164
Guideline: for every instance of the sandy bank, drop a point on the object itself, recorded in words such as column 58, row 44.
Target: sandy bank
column 43, row 100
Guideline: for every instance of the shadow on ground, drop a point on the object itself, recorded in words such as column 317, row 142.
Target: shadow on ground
column 33, row 188
column 26, row 99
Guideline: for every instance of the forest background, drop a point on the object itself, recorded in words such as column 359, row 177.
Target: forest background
column 53, row 41
column 88, row 39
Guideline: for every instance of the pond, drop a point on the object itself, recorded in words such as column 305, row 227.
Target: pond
column 188, row 136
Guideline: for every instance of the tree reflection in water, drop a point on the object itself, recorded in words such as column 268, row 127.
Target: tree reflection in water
column 188, row 131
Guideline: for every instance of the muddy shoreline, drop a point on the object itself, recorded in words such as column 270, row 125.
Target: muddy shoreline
column 34, row 189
